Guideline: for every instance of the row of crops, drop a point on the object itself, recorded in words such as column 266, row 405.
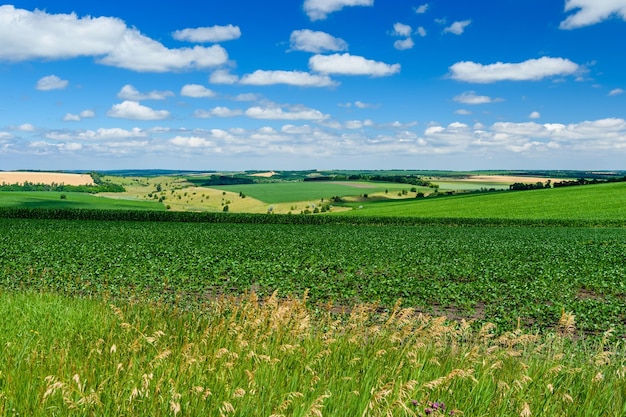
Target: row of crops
column 510, row 275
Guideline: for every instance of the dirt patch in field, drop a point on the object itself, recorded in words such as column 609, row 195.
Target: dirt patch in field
column 45, row 178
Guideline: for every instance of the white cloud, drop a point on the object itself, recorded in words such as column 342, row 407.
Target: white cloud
column 457, row 28
column 128, row 92
column 616, row 92
column 362, row 105
column 347, row 64
column 297, row 78
column 246, row 97
column 51, row 82
column 140, row 53
column 421, row 9
column 316, row 42
column 69, row 117
column 223, row 77
column 86, row 114
column 534, row 115
column 590, row 12
column 400, row 29
column 135, row 111
column 470, row 97
column 463, row 112
column 404, row 44
column 320, row 9
column 277, row 113
column 196, row 91
column 97, row 135
column 26, row 35
column 213, row 34
column 421, row 31
column 530, row 70
column 217, row 112
column 192, row 142
column 26, row 127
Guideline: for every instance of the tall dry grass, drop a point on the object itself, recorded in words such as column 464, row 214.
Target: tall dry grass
column 280, row 357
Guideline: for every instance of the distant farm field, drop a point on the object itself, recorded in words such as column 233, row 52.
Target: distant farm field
column 19, row 177
column 287, row 192
column 73, row 200
column 589, row 202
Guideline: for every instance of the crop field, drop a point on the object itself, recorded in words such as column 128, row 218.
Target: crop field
column 287, row 192
column 71, row 200
column 505, row 275
column 591, row 202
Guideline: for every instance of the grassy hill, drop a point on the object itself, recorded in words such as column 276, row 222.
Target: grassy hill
column 590, row 202
column 53, row 199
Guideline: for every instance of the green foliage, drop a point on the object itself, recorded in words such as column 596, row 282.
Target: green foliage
column 498, row 274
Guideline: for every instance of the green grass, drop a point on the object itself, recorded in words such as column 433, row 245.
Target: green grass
column 248, row 357
column 52, row 199
column 286, row 192
column 590, row 202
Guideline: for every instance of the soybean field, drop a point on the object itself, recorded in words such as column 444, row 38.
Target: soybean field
column 511, row 275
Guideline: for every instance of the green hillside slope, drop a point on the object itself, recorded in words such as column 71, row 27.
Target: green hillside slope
column 591, row 202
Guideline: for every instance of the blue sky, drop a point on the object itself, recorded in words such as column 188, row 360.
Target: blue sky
column 313, row 84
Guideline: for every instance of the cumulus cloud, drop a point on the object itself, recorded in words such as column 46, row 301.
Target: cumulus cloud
column 400, row 29
column 277, row 113
column 421, row 31
column 457, row 28
column 26, row 127
column 297, row 78
column 96, row 135
column 69, row 117
column 463, row 112
column 135, row 111
column 347, row 64
column 217, row 112
column 128, row 92
column 534, row 115
column 421, row 9
column 470, row 97
column 590, row 12
column 223, row 77
column 616, row 92
column 51, row 82
column 213, row 34
column 26, row 35
column 320, row 9
column 192, row 142
column 196, row 91
column 404, row 44
column 530, row 70
column 140, row 53
column 316, row 42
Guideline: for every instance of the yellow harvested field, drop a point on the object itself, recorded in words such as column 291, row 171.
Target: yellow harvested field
column 264, row 174
column 11, row 177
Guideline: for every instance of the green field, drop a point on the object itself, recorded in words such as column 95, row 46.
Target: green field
column 496, row 274
column 72, row 200
column 286, row 192
column 494, row 304
column 590, row 202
